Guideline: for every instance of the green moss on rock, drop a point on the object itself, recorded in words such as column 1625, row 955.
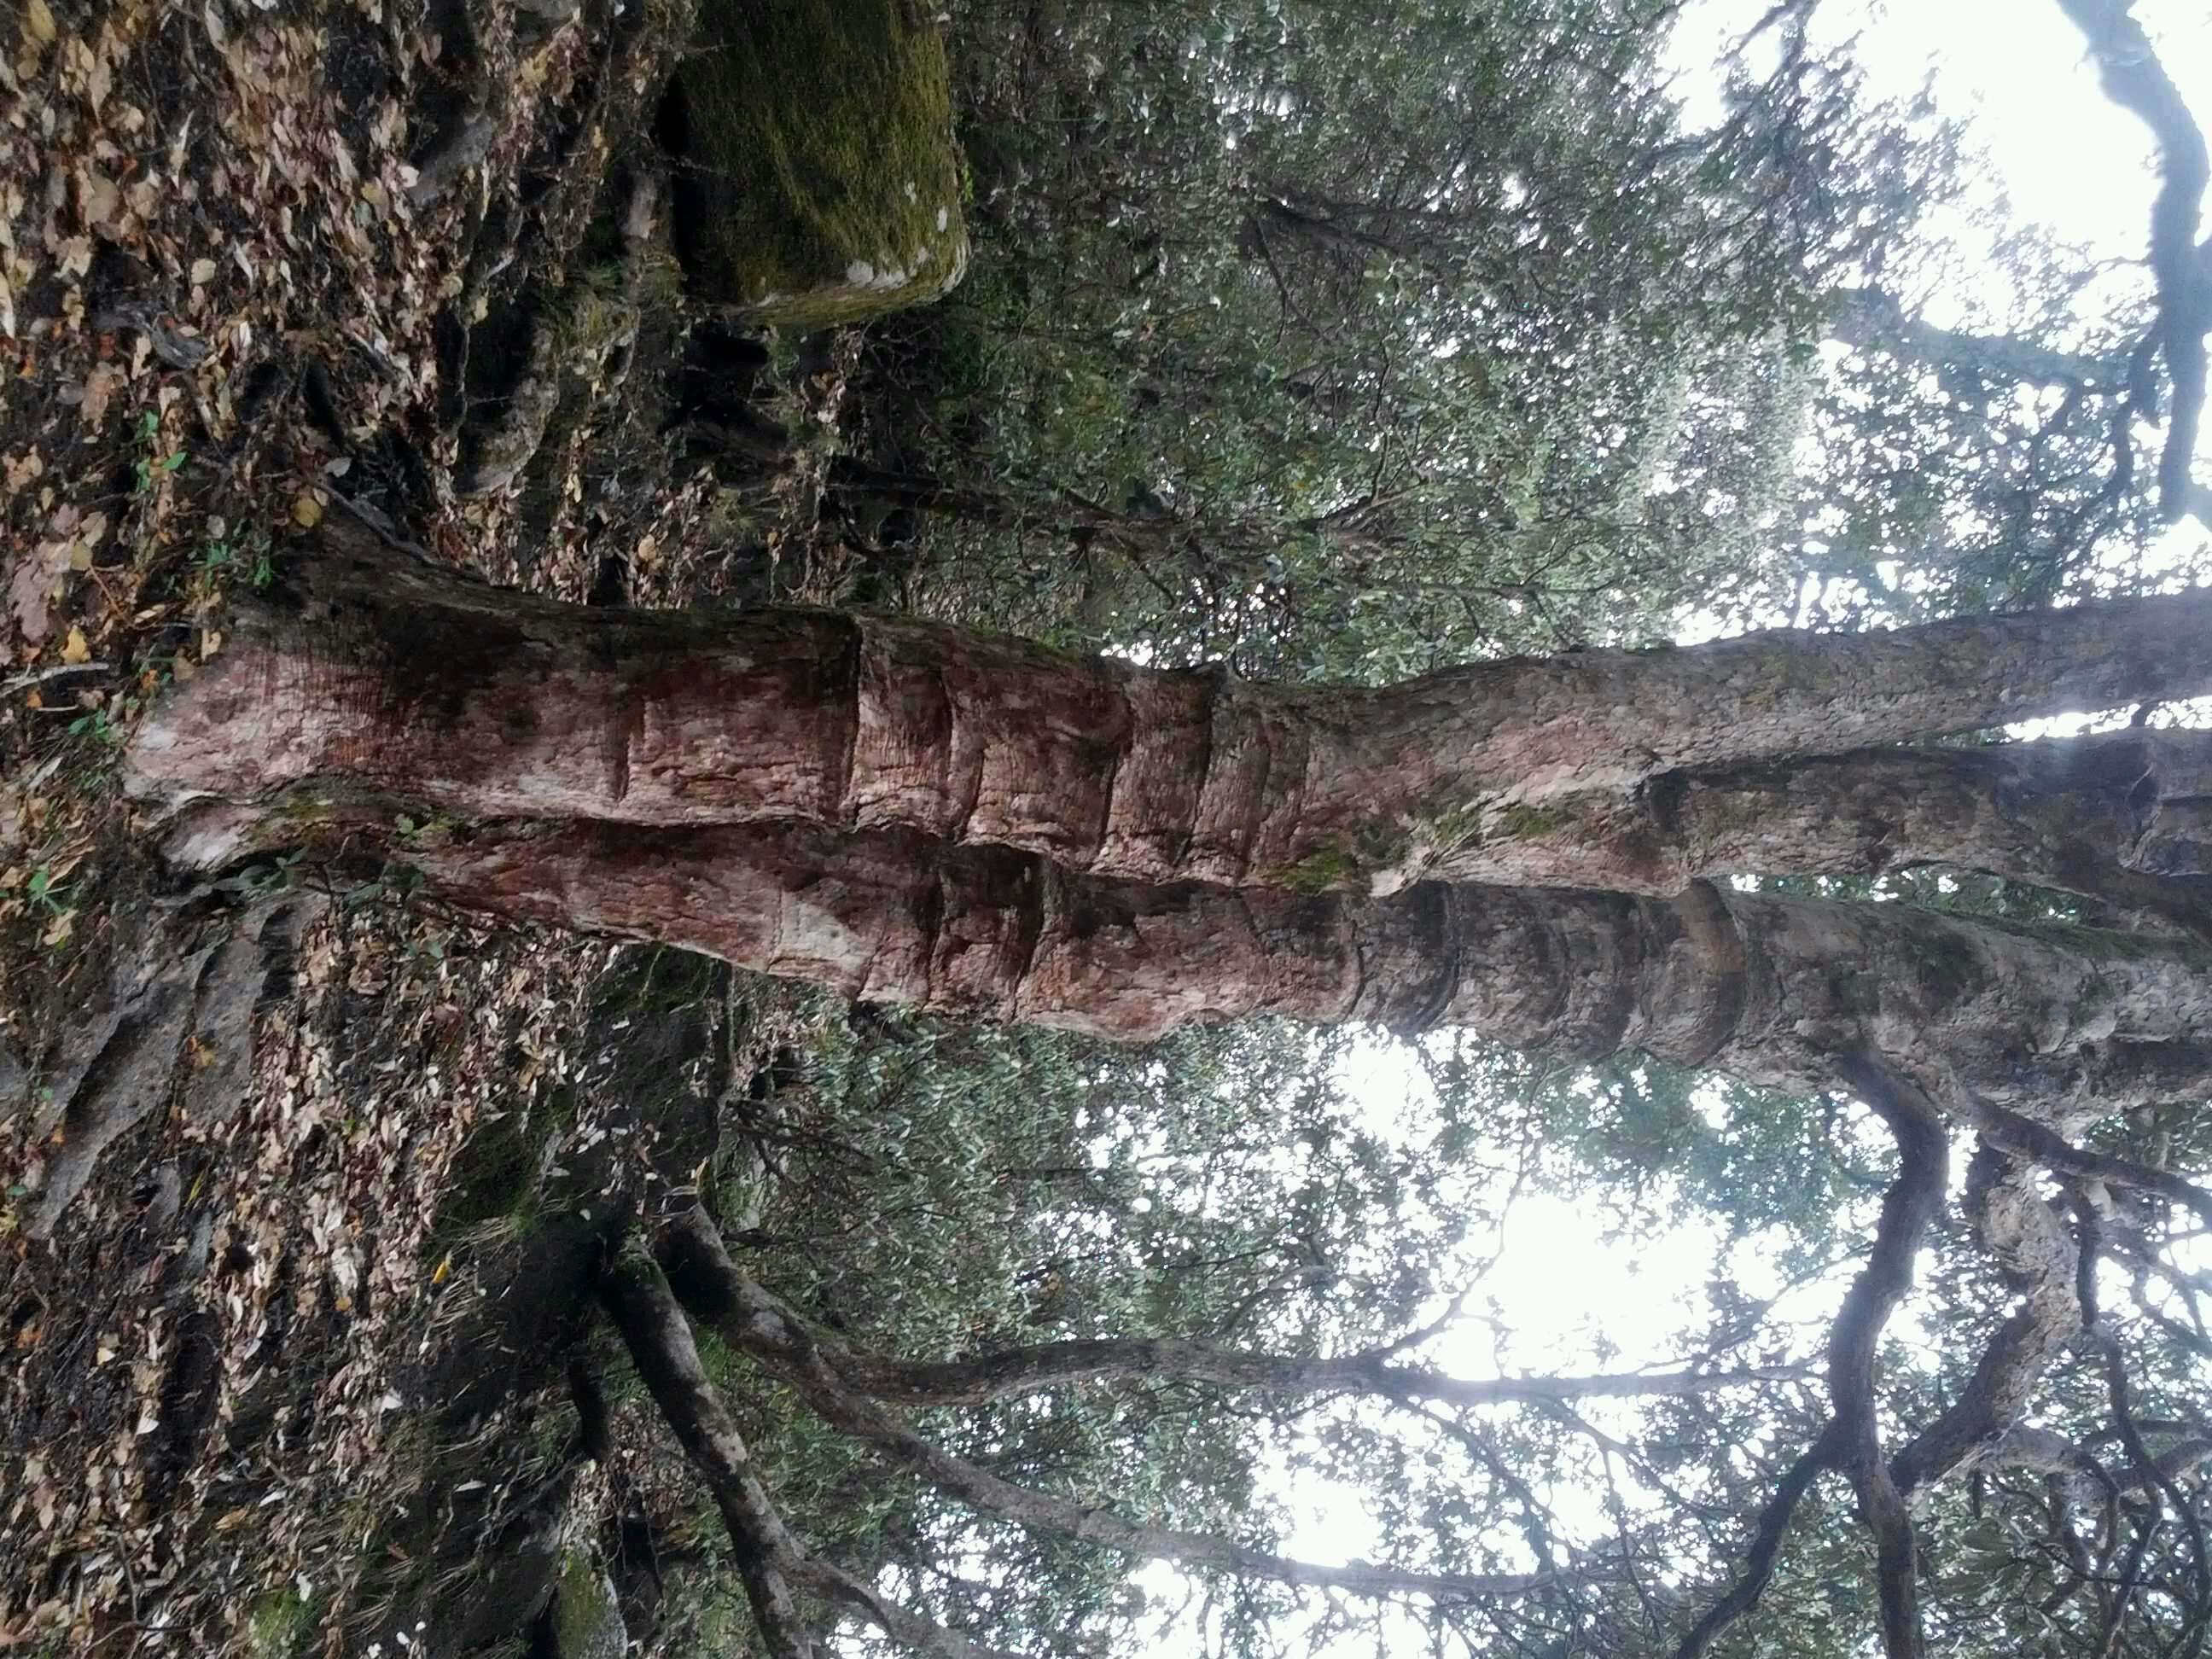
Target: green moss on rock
column 587, row 1622
column 822, row 185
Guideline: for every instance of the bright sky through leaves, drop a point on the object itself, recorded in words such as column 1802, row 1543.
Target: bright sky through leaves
column 2063, row 155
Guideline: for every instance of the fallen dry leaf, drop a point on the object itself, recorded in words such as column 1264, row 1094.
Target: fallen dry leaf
column 27, row 592
column 74, row 649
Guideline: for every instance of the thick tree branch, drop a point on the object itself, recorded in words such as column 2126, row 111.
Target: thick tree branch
column 769, row 1558
column 753, row 1323
column 2125, row 819
column 1765, row 1546
column 1014, row 1372
column 2136, row 81
column 2019, row 1228
column 1851, row 1442
column 659, row 1337
column 2196, row 1605
column 2038, row 1143
column 1907, row 1210
column 832, row 1582
column 2041, row 1451
column 1871, row 318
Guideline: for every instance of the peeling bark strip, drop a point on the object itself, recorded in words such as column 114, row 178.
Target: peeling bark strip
column 2051, row 1021
column 369, row 669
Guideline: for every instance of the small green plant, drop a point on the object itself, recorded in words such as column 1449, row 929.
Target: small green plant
column 259, row 881
column 99, row 726
column 433, row 831
column 280, row 1625
column 151, row 469
column 394, row 881
column 257, row 560
column 45, row 892
column 43, row 895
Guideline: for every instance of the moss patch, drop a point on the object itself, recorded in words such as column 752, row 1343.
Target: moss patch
column 585, row 1622
column 1523, row 822
column 1320, row 870
column 280, row 1625
column 820, row 183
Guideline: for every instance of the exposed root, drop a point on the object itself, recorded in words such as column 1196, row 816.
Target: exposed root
column 181, row 1021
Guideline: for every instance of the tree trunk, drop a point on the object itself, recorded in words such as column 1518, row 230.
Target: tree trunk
column 367, row 670
column 2059, row 1024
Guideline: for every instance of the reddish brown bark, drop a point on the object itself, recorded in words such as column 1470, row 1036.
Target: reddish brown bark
column 373, row 671
column 2055, row 1022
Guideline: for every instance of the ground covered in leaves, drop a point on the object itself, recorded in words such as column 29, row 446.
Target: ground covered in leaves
column 260, row 263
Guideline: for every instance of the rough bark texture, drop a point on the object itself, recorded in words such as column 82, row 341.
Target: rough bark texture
column 2061, row 1023
column 2126, row 817
column 371, row 670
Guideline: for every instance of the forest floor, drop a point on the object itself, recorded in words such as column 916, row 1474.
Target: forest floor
column 259, row 266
